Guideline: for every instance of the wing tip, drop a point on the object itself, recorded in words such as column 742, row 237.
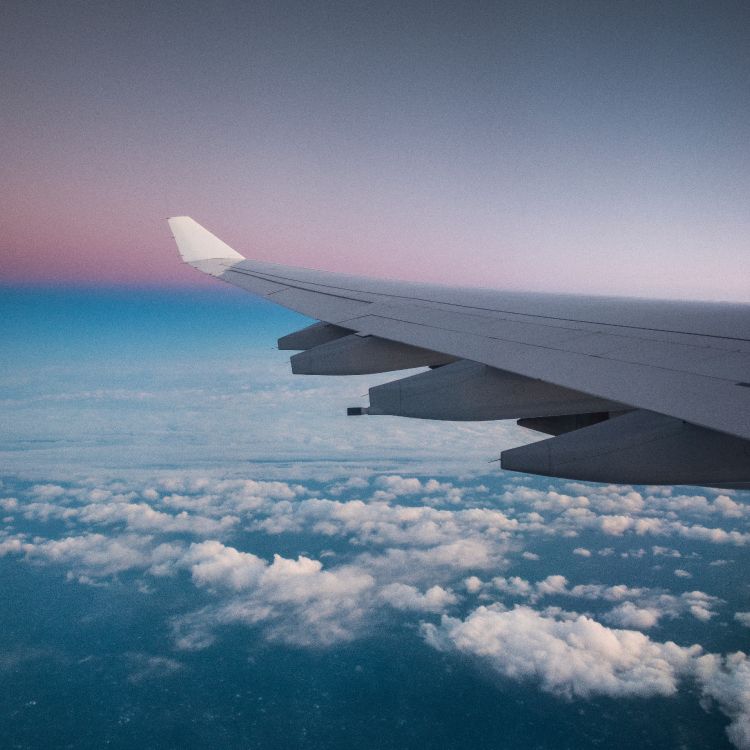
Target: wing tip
column 196, row 243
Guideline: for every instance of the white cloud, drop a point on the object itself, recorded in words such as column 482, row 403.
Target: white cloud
column 578, row 657
column 726, row 680
column 142, row 517
column 643, row 607
column 629, row 615
column 47, row 491
column 411, row 556
column 575, row 656
column 212, row 563
column 94, row 555
column 403, row 596
column 554, row 584
column 665, row 552
column 615, row 525
column 379, row 523
column 294, row 601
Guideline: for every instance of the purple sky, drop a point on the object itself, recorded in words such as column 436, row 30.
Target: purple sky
column 593, row 147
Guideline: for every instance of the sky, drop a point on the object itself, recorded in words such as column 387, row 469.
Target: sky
column 578, row 146
column 199, row 549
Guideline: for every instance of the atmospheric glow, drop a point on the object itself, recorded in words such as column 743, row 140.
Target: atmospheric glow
column 593, row 148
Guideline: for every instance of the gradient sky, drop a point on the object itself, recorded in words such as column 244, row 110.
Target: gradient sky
column 587, row 146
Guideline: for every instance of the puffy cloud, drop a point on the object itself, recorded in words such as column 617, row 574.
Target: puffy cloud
column 93, row 555
column 397, row 485
column 411, row 555
column 618, row 510
column 212, row 563
column 378, row 523
column 641, row 608
column 403, row 596
column 743, row 618
column 555, row 584
column 629, row 615
column 441, row 562
column 665, row 552
column 615, row 525
column 515, row 586
column 726, row 680
column 573, row 655
column 570, row 657
column 393, row 486
column 47, row 491
column 142, row 517
column 294, row 601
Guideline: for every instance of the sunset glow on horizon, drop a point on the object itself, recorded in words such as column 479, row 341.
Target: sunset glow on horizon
column 596, row 149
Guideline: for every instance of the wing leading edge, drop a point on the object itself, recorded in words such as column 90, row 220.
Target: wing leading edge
column 633, row 391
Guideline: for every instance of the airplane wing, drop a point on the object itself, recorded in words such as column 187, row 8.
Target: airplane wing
column 631, row 390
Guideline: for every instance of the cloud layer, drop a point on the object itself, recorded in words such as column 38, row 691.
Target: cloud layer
column 358, row 552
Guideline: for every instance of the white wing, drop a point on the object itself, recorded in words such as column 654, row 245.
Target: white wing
column 635, row 391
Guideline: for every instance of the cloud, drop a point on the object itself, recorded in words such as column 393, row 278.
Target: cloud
column 615, row 525
column 94, row 555
column 403, row 544
column 294, row 601
column 571, row 658
column 147, row 667
column 473, row 584
column 142, row 517
column 617, row 511
column 405, row 597
column 628, row 615
column 47, row 491
column 574, row 656
column 212, row 563
column 641, row 607
column 726, row 680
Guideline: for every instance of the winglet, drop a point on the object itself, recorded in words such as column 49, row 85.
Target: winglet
column 196, row 243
